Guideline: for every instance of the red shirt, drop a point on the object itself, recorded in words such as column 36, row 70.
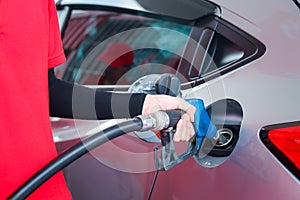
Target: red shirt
column 30, row 43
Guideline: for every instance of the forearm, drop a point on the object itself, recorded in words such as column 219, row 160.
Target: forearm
column 70, row 100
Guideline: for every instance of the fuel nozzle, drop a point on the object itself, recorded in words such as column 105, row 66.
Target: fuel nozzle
column 204, row 128
column 165, row 121
column 160, row 120
column 166, row 156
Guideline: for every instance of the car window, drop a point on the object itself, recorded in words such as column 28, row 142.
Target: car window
column 108, row 48
column 112, row 50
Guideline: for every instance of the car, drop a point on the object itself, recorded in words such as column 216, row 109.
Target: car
column 239, row 57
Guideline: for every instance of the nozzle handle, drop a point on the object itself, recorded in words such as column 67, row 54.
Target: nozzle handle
column 174, row 116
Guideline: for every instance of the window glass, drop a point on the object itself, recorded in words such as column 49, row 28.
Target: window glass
column 221, row 53
column 108, row 48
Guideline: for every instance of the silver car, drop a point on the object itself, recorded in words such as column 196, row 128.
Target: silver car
column 239, row 57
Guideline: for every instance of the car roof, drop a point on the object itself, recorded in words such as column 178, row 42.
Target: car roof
column 188, row 10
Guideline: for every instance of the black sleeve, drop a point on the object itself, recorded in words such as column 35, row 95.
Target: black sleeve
column 70, row 100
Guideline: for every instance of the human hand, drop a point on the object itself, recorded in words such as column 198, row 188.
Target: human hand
column 184, row 129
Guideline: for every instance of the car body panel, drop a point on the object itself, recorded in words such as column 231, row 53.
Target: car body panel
column 267, row 90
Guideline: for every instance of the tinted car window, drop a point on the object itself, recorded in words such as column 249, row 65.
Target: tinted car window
column 196, row 51
column 154, row 47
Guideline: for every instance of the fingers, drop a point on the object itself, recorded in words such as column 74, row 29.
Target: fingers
column 188, row 108
column 184, row 129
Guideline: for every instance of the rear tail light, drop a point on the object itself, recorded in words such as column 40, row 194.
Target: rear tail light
column 283, row 140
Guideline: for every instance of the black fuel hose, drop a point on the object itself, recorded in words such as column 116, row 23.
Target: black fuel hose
column 168, row 118
column 73, row 154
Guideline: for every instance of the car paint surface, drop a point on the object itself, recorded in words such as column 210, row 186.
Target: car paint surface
column 267, row 90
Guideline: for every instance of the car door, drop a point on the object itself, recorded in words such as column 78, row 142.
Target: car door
column 125, row 164
column 197, row 51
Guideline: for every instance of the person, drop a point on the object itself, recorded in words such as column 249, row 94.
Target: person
column 30, row 47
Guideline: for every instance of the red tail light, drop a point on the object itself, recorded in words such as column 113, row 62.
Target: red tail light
column 287, row 140
column 284, row 142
